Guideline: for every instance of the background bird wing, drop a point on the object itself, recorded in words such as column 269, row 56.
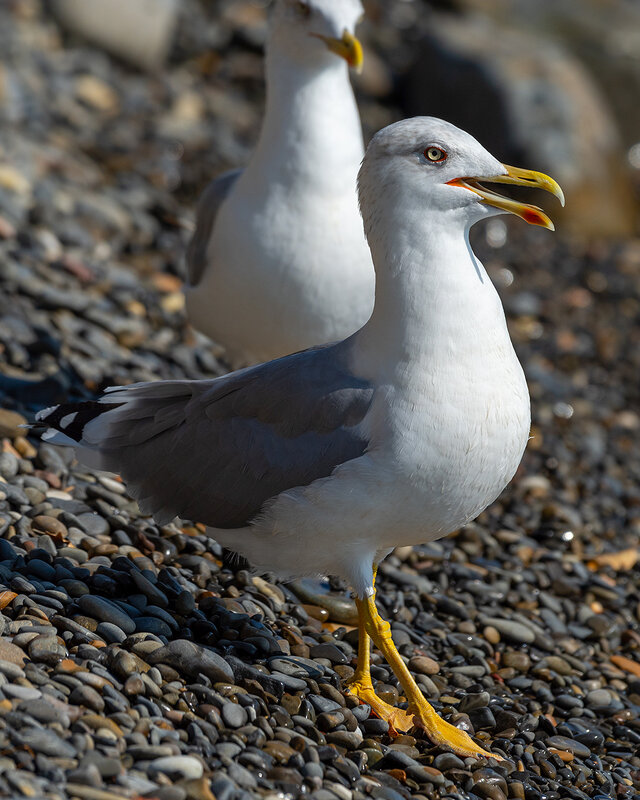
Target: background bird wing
column 206, row 212
column 215, row 451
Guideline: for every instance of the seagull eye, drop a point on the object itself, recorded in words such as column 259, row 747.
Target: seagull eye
column 303, row 9
column 435, row 154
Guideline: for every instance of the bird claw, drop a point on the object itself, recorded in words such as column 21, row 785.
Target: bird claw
column 399, row 721
column 444, row 734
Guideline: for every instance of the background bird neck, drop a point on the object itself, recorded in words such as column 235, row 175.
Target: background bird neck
column 311, row 124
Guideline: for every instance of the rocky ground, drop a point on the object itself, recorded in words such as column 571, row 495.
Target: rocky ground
column 138, row 661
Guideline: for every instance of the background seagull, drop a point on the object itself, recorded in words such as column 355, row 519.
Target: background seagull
column 278, row 261
column 325, row 460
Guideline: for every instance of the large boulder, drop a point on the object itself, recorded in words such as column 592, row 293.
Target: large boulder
column 138, row 31
column 532, row 103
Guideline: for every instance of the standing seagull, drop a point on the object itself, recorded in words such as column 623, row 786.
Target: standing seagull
column 278, row 261
column 325, row 460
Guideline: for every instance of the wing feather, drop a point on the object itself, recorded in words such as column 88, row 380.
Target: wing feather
column 210, row 201
column 215, row 451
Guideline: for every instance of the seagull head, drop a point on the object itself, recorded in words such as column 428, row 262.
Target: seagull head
column 313, row 32
column 429, row 166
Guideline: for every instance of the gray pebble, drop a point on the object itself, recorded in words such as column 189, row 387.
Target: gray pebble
column 87, row 696
column 110, row 633
column 103, row 610
column 21, row 692
column 180, row 767
column 93, row 524
column 45, row 741
column 192, row 658
column 234, row 715
column 510, row 630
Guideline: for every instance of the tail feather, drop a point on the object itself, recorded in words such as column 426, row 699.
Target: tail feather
column 124, row 418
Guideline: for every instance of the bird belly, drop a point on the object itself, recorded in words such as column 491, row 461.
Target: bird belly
column 420, row 486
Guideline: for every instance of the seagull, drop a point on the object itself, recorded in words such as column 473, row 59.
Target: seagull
column 323, row 461
column 278, row 261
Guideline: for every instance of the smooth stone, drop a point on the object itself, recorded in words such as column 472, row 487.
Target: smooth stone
column 134, row 684
column 151, row 592
column 46, row 649
column 107, row 767
column 424, row 665
column 564, row 743
column 296, row 667
column 9, row 465
column 482, row 718
column 510, row 630
column 555, row 663
column 49, row 525
column 290, row 683
column 517, row 660
column 348, row 739
column 88, row 697
column 39, row 709
column 323, row 704
column 446, row 761
column 152, row 625
column 375, row 726
column 45, row 741
column 105, row 611
column 329, row 651
column 40, row 569
column 599, row 698
column 93, row 524
column 10, row 670
column 181, row 767
column 111, row 633
column 234, row 715
column 86, row 776
column 21, row 692
column 471, row 702
column 192, row 658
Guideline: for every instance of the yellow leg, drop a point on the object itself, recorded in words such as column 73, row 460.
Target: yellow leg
column 361, row 684
column 440, row 732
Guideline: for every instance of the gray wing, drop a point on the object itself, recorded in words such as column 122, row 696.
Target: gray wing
column 208, row 205
column 214, row 451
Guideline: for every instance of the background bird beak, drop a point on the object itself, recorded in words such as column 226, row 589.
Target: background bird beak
column 517, row 177
column 348, row 47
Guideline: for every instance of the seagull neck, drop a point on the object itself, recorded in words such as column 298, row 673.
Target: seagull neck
column 430, row 290
column 311, row 125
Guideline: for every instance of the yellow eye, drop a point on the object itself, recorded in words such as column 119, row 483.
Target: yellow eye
column 435, row 154
column 304, row 9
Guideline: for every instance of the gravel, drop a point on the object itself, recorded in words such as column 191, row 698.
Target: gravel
column 143, row 661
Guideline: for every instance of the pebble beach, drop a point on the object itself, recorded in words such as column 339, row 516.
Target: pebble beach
column 145, row 661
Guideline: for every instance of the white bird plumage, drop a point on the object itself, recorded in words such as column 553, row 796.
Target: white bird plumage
column 279, row 261
column 450, row 414
column 323, row 461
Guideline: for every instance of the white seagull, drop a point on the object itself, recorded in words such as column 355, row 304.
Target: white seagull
column 323, row 461
column 278, row 261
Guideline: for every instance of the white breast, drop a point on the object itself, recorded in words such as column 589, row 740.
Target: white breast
column 299, row 275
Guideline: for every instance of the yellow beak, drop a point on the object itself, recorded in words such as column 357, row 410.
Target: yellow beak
column 517, row 177
column 348, row 47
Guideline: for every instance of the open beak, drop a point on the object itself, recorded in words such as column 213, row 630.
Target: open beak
column 348, row 47
column 518, row 177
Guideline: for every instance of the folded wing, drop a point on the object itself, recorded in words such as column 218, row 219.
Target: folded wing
column 215, row 451
column 208, row 205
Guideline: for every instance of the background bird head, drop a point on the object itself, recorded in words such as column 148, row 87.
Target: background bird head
column 313, row 33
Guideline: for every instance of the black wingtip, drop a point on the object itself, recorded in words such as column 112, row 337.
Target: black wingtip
column 71, row 418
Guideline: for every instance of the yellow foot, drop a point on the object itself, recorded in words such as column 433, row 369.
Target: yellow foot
column 444, row 734
column 399, row 721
